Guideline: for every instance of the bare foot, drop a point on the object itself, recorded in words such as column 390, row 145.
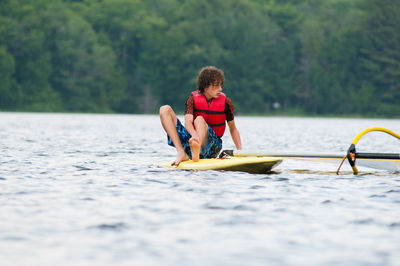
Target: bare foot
column 195, row 147
column 181, row 156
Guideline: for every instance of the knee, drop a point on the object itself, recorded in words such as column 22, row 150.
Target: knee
column 165, row 110
column 200, row 121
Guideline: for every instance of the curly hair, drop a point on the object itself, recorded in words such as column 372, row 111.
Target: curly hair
column 210, row 75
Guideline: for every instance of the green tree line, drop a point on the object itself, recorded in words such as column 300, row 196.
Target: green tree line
column 331, row 57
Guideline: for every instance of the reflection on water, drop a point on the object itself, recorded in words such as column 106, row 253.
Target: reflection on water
column 83, row 190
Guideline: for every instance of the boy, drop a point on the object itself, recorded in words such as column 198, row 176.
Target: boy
column 207, row 109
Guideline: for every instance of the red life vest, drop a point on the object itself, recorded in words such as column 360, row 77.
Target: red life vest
column 214, row 114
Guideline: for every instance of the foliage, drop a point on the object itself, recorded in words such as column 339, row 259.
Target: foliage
column 317, row 57
column 381, row 54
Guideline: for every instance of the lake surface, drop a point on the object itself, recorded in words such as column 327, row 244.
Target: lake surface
column 82, row 189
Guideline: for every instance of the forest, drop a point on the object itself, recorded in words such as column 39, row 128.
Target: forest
column 280, row 57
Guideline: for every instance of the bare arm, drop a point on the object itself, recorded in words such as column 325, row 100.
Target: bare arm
column 235, row 134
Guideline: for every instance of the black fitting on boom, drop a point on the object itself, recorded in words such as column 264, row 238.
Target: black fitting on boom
column 351, row 155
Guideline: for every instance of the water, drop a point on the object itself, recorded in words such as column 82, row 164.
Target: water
column 82, row 190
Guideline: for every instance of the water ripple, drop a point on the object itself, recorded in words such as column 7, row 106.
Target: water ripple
column 111, row 227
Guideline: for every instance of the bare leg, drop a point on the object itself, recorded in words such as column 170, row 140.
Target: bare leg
column 168, row 120
column 195, row 143
column 195, row 148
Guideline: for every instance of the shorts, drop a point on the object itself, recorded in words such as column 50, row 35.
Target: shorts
column 213, row 146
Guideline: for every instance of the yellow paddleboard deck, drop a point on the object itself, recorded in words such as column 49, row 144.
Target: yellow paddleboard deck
column 255, row 165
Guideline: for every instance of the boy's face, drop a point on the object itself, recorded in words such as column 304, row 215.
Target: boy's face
column 213, row 91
